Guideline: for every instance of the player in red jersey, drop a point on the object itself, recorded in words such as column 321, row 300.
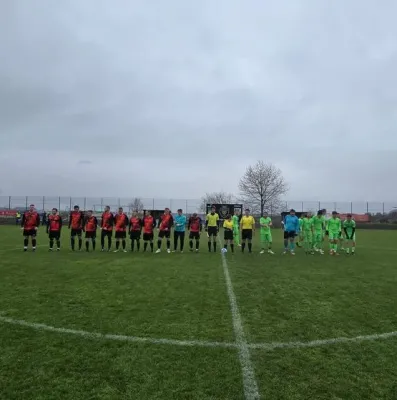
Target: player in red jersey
column 107, row 228
column 194, row 226
column 90, row 228
column 76, row 220
column 165, row 224
column 120, row 225
column 148, row 223
column 135, row 228
column 54, row 227
column 29, row 225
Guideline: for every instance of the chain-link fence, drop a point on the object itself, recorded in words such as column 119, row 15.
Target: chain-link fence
column 46, row 203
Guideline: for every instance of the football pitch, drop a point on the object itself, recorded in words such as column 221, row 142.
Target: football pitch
column 198, row 326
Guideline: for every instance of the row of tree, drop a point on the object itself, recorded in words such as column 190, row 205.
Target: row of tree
column 260, row 189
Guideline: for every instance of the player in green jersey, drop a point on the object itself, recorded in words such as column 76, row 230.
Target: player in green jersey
column 236, row 228
column 334, row 228
column 307, row 233
column 318, row 232
column 300, row 235
column 349, row 228
column 266, row 234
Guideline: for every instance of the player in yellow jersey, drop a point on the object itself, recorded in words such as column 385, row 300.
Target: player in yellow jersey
column 212, row 228
column 228, row 231
column 247, row 225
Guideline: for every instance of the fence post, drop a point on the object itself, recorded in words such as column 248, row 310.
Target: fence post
column 101, row 204
column 367, row 207
column 43, row 203
column 302, row 206
column 26, row 202
column 335, row 206
column 319, row 205
column 383, row 208
column 186, row 207
column 9, row 202
column 153, row 204
column 85, row 203
column 118, row 202
column 59, row 203
column 70, row 203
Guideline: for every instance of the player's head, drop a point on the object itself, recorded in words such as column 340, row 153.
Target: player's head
column 265, row 214
column 147, row 213
column 324, row 211
column 54, row 211
column 107, row 209
column 194, row 215
column 76, row 208
column 237, row 212
column 120, row 210
column 180, row 211
column 308, row 214
column 334, row 214
column 349, row 217
column 89, row 213
column 166, row 210
column 292, row 211
column 31, row 208
column 228, row 216
column 135, row 213
column 320, row 213
column 213, row 209
column 247, row 211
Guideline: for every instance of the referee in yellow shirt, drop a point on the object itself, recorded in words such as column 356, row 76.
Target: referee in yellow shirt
column 212, row 228
column 247, row 225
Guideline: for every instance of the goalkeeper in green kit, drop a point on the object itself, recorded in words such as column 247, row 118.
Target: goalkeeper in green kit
column 266, row 234
column 236, row 228
column 349, row 227
column 334, row 228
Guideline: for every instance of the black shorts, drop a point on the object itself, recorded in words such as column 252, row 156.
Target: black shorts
column 212, row 231
column 29, row 232
column 90, row 235
column 56, row 235
column 147, row 237
column 289, row 234
column 76, row 232
column 120, row 235
column 194, row 235
column 179, row 234
column 228, row 235
column 246, row 234
column 164, row 234
column 106, row 233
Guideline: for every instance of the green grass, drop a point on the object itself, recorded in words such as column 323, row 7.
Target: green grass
column 184, row 297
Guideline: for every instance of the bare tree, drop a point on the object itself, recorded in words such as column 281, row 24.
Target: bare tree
column 261, row 188
column 216, row 198
column 136, row 205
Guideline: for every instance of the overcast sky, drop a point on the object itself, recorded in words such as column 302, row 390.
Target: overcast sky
column 176, row 98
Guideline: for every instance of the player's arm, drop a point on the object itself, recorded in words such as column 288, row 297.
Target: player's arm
column 70, row 221
column 188, row 224
column 37, row 221
column 171, row 221
column 206, row 222
column 60, row 223
column 23, row 220
column 48, row 225
column 270, row 223
column 159, row 224
column 201, row 224
column 253, row 224
column 218, row 222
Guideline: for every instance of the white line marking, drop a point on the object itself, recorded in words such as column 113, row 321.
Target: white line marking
column 323, row 342
column 251, row 390
column 199, row 343
column 122, row 338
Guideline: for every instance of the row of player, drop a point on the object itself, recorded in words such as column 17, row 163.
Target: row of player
column 310, row 230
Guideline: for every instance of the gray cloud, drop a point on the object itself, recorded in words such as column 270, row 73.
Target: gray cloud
column 176, row 99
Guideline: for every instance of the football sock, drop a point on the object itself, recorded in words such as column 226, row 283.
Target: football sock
column 87, row 245
column 225, row 246
column 80, row 243
column 197, row 244
column 117, row 244
column 109, row 242
column 285, row 244
column 292, row 246
column 25, row 242
column 103, row 242
column 168, row 244
column 51, row 243
column 144, row 246
column 250, row 247
column 72, row 241
column 191, row 244
column 93, row 244
column 151, row 246
column 214, row 244
column 243, row 247
column 34, row 242
column 133, row 245
column 175, row 242
column 159, row 244
column 232, row 247
column 138, row 244
column 123, row 243
column 209, row 245
column 182, row 244
column 58, row 244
